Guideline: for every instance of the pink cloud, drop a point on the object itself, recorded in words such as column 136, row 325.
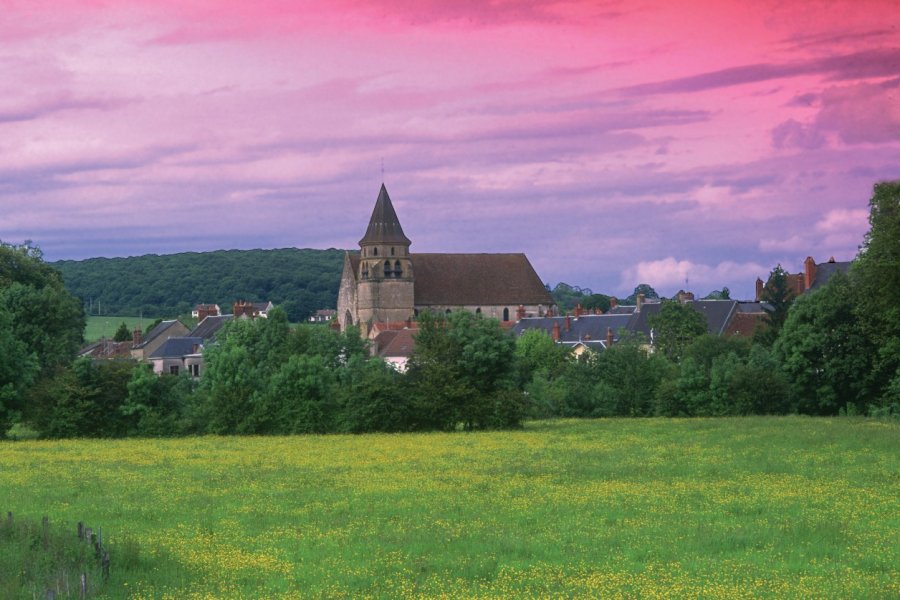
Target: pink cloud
column 502, row 125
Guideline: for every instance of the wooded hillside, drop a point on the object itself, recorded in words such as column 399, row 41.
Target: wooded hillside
column 298, row 281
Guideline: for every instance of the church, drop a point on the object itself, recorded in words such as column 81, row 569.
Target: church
column 386, row 284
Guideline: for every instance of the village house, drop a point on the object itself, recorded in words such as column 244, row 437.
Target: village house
column 813, row 276
column 323, row 315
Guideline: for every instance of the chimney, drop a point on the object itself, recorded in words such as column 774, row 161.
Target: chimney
column 613, row 302
column 809, row 272
column 609, row 337
column 520, row 312
column 640, row 302
column 760, row 286
column 578, row 310
column 568, row 323
column 137, row 337
column 555, row 332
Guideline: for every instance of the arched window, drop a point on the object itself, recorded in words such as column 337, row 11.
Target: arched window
column 416, row 313
column 447, row 311
column 506, row 314
column 387, row 268
column 478, row 311
column 398, row 270
column 392, row 250
column 365, row 271
column 374, row 251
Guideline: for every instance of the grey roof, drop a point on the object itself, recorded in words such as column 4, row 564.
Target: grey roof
column 716, row 312
column 588, row 329
column 825, row 270
column 384, row 226
column 754, row 307
column 622, row 310
column 210, row 326
column 157, row 331
column 177, row 347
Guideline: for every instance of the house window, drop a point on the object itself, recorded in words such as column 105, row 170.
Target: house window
column 392, row 251
column 173, row 370
column 374, row 251
column 387, row 268
column 478, row 311
column 195, row 370
column 365, row 271
column 398, row 270
column 506, row 314
column 447, row 311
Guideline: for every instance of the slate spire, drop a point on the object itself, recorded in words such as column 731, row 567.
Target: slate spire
column 384, row 226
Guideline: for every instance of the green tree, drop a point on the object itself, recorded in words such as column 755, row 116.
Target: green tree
column 596, row 301
column 41, row 325
column 371, row 397
column 824, row 351
column 536, row 351
column 627, row 380
column 723, row 294
column 82, row 400
column 675, row 327
column 876, row 275
column 156, row 405
column 642, row 288
column 780, row 297
column 460, row 371
column 122, row 333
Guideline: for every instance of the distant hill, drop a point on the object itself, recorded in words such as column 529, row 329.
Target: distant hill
column 299, row 281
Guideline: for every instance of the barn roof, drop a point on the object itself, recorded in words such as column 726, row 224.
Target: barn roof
column 476, row 280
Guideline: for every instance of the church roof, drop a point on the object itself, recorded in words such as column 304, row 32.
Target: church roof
column 476, row 280
column 384, row 226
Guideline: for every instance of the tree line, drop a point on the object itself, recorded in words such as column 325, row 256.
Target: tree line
column 299, row 281
column 835, row 350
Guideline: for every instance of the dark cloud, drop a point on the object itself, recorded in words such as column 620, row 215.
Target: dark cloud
column 868, row 63
column 47, row 104
column 829, row 40
column 793, row 134
column 863, row 113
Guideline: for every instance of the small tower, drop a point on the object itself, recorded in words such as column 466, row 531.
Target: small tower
column 385, row 276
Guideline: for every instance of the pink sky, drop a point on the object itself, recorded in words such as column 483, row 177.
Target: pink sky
column 613, row 142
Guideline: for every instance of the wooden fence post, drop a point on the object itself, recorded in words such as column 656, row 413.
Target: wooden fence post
column 83, row 582
column 104, row 565
column 51, row 594
column 81, row 530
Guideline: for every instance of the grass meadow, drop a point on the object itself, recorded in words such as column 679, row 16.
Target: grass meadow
column 646, row 508
column 98, row 328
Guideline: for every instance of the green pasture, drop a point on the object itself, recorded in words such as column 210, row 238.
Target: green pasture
column 768, row 507
column 105, row 327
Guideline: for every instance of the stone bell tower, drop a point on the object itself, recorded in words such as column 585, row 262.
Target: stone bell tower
column 385, row 292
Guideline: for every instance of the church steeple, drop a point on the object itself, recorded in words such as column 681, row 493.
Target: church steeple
column 384, row 226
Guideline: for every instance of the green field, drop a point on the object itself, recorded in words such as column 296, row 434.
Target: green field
column 105, row 327
column 651, row 508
